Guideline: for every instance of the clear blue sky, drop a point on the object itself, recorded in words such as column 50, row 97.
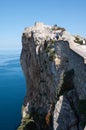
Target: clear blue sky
column 15, row 15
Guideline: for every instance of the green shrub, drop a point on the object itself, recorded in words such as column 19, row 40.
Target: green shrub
column 77, row 40
column 47, row 49
column 61, row 28
column 52, row 55
column 52, row 41
column 50, row 50
column 21, row 127
column 55, row 28
column 24, row 122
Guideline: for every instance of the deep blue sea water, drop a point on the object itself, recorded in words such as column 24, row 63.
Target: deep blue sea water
column 12, row 89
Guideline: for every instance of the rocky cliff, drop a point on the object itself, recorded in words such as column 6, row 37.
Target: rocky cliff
column 55, row 72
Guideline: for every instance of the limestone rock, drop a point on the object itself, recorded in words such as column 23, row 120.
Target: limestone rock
column 66, row 116
column 45, row 58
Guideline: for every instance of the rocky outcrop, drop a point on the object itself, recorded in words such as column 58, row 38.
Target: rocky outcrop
column 55, row 77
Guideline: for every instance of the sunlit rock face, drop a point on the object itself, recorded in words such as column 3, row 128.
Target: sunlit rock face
column 38, row 62
column 54, row 77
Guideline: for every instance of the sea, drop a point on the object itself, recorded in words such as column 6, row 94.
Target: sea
column 12, row 89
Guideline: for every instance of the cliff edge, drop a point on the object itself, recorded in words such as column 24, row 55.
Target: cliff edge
column 54, row 66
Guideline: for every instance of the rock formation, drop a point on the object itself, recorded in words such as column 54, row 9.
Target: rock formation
column 55, row 72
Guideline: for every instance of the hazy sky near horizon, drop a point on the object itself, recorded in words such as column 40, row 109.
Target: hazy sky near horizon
column 15, row 15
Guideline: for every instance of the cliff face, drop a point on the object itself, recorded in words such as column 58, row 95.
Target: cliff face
column 55, row 77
